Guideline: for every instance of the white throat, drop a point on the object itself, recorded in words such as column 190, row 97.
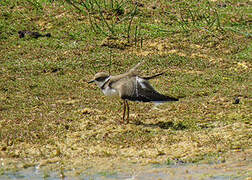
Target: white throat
column 107, row 90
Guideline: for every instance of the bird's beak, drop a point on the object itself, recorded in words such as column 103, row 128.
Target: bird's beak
column 91, row 81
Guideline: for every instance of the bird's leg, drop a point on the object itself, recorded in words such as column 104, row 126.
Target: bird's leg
column 124, row 109
column 128, row 111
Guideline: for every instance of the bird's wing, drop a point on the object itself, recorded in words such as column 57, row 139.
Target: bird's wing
column 131, row 73
column 142, row 91
column 151, row 77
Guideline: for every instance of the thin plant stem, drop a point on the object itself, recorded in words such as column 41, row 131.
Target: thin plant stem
column 73, row 4
column 141, row 42
column 136, row 35
column 112, row 4
column 129, row 26
column 110, row 60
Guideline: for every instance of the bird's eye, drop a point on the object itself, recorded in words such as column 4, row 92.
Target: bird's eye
column 100, row 78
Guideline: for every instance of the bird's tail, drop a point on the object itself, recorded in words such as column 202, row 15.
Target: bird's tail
column 162, row 98
column 151, row 77
column 167, row 98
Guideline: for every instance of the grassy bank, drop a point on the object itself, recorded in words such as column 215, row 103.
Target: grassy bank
column 50, row 115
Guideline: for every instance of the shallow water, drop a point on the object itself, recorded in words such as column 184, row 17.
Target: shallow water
column 224, row 171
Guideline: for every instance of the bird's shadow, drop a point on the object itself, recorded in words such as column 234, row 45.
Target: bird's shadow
column 162, row 125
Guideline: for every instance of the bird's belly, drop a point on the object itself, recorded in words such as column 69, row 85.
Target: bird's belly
column 109, row 92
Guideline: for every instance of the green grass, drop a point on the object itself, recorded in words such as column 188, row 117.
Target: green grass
column 48, row 111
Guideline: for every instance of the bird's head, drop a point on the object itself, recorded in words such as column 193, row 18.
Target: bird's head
column 100, row 78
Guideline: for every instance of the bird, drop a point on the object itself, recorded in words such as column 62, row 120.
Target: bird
column 129, row 86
